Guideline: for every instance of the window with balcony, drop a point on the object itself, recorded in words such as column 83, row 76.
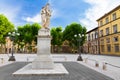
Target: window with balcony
column 115, row 28
column 108, row 40
column 114, row 16
column 108, row 47
column 101, row 33
column 115, row 39
column 101, row 23
column 106, row 20
column 107, row 31
column 116, row 46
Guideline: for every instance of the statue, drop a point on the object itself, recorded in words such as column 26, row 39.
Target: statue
column 45, row 16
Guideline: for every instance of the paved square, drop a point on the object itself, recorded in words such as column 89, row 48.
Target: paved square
column 76, row 72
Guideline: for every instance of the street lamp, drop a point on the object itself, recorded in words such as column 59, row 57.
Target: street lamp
column 12, row 37
column 79, row 36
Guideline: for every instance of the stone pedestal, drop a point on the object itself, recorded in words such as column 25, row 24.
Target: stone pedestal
column 43, row 60
column 43, row 64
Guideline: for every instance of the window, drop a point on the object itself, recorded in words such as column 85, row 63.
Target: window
column 115, row 28
column 108, row 40
column 108, row 47
column 88, row 37
column 96, row 35
column 116, row 46
column 102, row 48
column 107, row 31
column 102, row 41
column 114, row 16
column 115, row 39
column 107, row 20
column 96, row 48
column 92, row 36
column 101, row 32
column 101, row 23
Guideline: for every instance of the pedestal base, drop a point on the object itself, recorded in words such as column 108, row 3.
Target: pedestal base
column 59, row 69
column 43, row 62
column 12, row 58
column 79, row 58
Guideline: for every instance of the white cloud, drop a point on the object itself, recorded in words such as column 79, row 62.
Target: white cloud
column 55, row 13
column 36, row 18
column 97, row 9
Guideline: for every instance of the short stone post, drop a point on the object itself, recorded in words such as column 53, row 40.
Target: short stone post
column 27, row 59
column 104, row 66
column 86, row 60
column 65, row 59
column 2, row 60
column 96, row 64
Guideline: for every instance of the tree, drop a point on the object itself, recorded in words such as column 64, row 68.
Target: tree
column 5, row 27
column 35, row 27
column 72, row 30
column 28, row 34
column 56, row 34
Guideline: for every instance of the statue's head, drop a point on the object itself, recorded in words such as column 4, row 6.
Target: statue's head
column 48, row 4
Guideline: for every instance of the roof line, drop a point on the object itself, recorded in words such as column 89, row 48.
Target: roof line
column 108, row 12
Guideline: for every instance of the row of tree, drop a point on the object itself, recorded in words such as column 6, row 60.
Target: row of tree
column 5, row 27
column 73, row 33
column 28, row 33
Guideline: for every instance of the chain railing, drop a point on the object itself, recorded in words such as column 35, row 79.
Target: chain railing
column 104, row 64
column 112, row 65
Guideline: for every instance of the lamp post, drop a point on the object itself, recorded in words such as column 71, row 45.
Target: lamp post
column 12, row 37
column 79, row 36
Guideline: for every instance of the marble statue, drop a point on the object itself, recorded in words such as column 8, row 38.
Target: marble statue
column 43, row 64
column 45, row 16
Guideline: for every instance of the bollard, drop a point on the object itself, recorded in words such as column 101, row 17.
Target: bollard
column 27, row 59
column 2, row 60
column 85, row 60
column 104, row 66
column 65, row 59
column 96, row 64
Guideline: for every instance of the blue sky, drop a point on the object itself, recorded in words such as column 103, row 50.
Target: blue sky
column 64, row 12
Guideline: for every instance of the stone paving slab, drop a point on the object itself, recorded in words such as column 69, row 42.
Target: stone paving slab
column 58, row 69
column 76, row 72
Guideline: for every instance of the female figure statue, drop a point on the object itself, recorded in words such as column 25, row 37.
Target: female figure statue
column 45, row 16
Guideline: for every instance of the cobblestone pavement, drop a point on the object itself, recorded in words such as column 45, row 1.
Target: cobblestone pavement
column 112, row 69
column 76, row 72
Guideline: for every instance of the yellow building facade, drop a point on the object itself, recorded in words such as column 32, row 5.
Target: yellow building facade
column 109, row 32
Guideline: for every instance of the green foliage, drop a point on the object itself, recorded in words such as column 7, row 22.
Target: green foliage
column 5, row 27
column 28, row 33
column 35, row 27
column 56, row 34
column 72, row 30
